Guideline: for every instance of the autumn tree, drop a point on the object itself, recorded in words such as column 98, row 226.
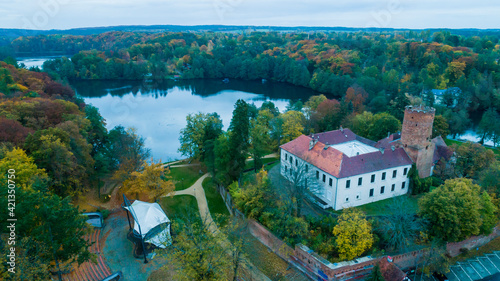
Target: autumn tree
column 353, row 234
column 457, row 210
column 151, row 179
column 293, row 125
column 471, row 159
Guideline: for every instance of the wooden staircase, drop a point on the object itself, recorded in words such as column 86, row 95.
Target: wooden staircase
column 89, row 271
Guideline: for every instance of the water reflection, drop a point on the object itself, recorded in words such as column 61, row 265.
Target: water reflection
column 158, row 109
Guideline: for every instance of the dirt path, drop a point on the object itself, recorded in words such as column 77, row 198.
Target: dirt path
column 198, row 192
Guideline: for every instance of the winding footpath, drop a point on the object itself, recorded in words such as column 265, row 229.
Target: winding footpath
column 198, row 192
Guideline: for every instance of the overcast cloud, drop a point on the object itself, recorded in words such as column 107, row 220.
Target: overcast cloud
column 64, row 14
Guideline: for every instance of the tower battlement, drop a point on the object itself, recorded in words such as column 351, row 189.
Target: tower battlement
column 420, row 108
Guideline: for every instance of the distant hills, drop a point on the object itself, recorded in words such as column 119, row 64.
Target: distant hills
column 14, row 33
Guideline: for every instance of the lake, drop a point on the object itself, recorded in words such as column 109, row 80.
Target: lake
column 157, row 110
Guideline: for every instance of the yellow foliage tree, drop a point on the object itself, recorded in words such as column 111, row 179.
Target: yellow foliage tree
column 293, row 125
column 353, row 234
column 152, row 180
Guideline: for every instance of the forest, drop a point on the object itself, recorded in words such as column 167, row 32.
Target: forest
column 364, row 81
column 57, row 148
column 388, row 69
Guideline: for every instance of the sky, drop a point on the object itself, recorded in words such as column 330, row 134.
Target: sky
column 416, row 14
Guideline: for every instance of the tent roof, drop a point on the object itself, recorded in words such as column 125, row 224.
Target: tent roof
column 147, row 216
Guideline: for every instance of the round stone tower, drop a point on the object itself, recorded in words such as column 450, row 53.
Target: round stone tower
column 417, row 126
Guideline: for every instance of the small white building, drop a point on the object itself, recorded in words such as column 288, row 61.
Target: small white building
column 344, row 170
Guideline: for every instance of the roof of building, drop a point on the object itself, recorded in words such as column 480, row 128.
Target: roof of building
column 340, row 136
column 337, row 163
column 442, row 150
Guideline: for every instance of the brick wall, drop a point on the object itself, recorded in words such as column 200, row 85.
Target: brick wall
column 265, row 236
column 417, row 125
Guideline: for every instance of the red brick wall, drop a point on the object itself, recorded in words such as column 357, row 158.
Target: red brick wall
column 417, row 125
column 267, row 238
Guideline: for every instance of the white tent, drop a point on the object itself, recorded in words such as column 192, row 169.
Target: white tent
column 152, row 222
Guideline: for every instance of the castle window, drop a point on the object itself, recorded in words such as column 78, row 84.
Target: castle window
column 383, row 176
column 324, row 178
column 371, row 192
column 286, row 156
column 405, row 171
column 296, row 162
column 331, row 182
column 393, row 187
column 307, row 168
column 317, row 175
column 360, row 181
column 382, row 189
column 286, row 168
column 348, row 184
column 291, row 159
column 357, row 196
column 347, row 199
column 394, row 173
column 373, row 178
column 403, row 185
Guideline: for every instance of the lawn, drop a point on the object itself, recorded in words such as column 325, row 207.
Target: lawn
column 180, row 205
column 381, row 207
column 184, row 177
column 249, row 164
column 215, row 203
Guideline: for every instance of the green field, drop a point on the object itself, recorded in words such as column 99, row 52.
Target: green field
column 215, row 203
column 180, row 205
column 381, row 207
column 249, row 164
column 184, row 177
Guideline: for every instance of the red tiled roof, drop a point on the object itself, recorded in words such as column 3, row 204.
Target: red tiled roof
column 339, row 165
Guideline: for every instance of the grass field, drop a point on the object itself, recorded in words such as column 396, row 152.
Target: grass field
column 382, row 207
column 215, row 203
column 184, row 177
column 179, row 205
column 249, row 164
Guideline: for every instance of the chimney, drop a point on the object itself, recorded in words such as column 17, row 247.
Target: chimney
column 388, row 134
column 341, row 129
column 393, row 147
column 311, row 144
column 381, row 150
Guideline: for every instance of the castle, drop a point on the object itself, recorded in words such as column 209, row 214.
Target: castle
column 344, row 170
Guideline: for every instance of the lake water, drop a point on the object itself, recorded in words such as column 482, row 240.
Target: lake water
column 35, row 61
column 158, row 109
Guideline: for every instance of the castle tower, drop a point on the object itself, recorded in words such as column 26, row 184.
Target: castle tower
column 416, row 135
column 417, row 125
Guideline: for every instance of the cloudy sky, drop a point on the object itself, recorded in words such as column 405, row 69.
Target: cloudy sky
column 64, row 14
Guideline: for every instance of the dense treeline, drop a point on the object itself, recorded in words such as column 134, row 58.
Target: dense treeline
column 53, row 146
column 386, row 68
